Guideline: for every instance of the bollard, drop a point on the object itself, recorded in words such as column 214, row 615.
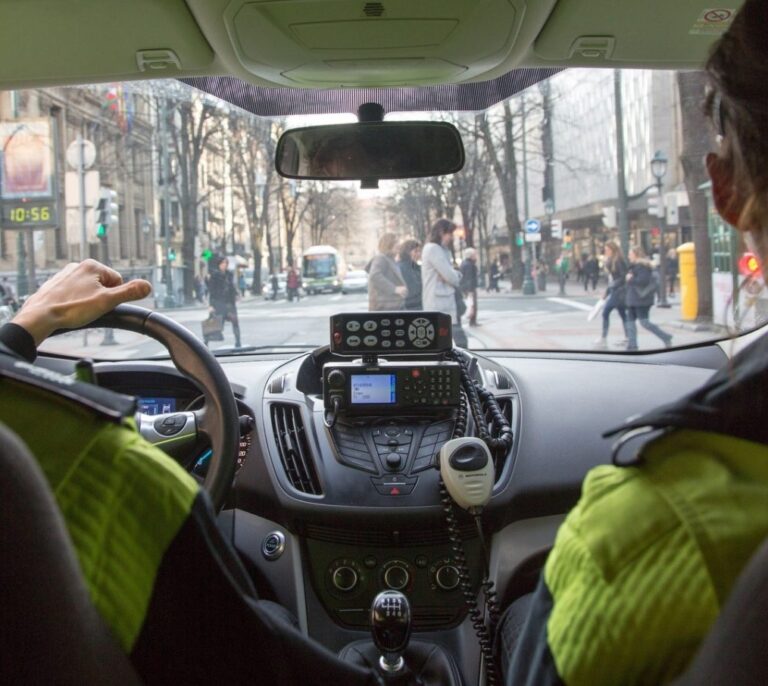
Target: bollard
column 689, row 289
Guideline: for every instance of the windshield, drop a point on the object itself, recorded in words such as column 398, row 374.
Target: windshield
column 582, row 219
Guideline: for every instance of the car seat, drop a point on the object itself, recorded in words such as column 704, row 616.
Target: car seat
column 50, row 631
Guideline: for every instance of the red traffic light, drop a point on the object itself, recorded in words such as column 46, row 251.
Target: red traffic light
column 749, row 265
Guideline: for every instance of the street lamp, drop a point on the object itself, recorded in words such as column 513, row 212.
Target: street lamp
column 659, row 170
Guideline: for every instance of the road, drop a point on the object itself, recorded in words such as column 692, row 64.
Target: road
column 545, row 321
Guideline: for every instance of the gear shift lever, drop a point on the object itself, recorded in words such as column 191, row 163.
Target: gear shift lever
column 391, row 628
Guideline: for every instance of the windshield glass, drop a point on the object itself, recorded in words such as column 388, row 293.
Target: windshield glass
column 582, row 220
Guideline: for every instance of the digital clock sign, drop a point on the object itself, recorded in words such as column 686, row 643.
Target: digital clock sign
column 31, row 214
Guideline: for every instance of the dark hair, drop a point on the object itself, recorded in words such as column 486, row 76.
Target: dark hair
column 408, row 246
column 738, row 104
column 439, row 229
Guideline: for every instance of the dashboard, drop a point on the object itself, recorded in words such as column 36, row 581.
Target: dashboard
column 324, row 517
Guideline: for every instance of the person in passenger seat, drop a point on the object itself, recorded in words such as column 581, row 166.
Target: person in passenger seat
column 166, row 582
column 644, row 562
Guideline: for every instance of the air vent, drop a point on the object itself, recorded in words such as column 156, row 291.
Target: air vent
column 293, row 446
column 373, row 9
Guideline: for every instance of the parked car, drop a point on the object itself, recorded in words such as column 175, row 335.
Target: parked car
column 355, row 281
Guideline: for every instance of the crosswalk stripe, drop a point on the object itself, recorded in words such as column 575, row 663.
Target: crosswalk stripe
column 572, row 303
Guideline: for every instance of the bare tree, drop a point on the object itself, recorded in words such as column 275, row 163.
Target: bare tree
column 252, row 151
column 499, row 139
column 329, row 208
column 293, row 206
column 697, row 141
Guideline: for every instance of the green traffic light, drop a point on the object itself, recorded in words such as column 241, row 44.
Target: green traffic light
column 101, row 231
column 207, row 255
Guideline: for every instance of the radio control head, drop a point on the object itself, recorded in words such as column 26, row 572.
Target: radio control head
column 336, row 379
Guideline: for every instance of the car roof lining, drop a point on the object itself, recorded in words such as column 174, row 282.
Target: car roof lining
column 60, row 42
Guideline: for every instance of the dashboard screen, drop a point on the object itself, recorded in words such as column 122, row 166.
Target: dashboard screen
column 157, row 405
column 373, row 389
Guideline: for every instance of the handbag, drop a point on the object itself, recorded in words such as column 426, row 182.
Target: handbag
column 213, row 328
column 597, row 309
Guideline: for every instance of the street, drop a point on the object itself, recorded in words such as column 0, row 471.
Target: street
column 545, row 321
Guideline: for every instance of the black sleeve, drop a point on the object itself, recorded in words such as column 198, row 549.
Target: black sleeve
column 17, row 340
column 204, row 624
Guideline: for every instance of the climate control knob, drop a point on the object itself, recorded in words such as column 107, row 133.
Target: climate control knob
column 344, row 579
column 336, row 379
column 447, row 577
column 397, row 577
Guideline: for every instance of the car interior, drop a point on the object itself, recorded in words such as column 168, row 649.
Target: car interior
column 329, row 469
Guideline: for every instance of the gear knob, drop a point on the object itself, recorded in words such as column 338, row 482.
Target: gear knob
column 391, row 628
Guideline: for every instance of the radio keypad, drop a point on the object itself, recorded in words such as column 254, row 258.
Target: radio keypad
column 429, row 386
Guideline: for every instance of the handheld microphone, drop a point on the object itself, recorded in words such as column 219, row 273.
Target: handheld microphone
column 467, row 470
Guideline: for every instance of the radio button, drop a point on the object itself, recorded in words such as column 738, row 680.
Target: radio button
column 353, row 325
column 386, row 344
column 353, row 341
column 399, row 344
column 421, row 342
column 370, row 325
column 386, row 333
column 385, row 322
column 399, row 322
column 370, row 341
column 399, row 332
column 421, row 321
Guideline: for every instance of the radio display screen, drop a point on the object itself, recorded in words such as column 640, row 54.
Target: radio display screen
column 373, row 389
column 157, row 405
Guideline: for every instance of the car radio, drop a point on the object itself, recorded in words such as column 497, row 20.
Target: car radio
column 384, row 387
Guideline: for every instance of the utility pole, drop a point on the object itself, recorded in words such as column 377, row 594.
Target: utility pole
column 170, row 297
column 621, row 182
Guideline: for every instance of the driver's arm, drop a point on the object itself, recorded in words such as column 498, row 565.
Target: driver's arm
column 167, row 583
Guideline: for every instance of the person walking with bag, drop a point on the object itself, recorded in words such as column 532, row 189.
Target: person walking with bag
column 642, row 286
column 386, row 287
column 441, row 281
column 617, row 267
column 223, row 297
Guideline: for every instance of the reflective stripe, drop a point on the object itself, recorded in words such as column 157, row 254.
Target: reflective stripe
column 122, row 499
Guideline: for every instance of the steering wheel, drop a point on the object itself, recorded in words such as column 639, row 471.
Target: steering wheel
column 218, row 419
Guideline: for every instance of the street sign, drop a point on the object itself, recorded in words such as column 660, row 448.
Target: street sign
column 556, row 228
column 73, row 154
column 533, row 238
column 673, row 215
column 532, row 226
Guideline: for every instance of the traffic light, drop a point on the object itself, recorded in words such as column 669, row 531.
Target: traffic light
column 749, row 265
column 106, row 212
column 207, row 254
column 171, row 254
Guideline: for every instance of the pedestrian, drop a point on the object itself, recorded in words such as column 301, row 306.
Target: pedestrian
column 242, row 283
column 493, row 277
column 386, row 287
column 615, row 294
column 199, row 287
column 223, row 296
column 293, row 283
column 469, row 279
column 673, row 268
column 410, row 254
column 642, row 286
column 441, row 281
column 591, row 272
column 275, row 284
column 563, row 265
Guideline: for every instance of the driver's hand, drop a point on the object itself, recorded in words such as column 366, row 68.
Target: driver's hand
column 76, row 296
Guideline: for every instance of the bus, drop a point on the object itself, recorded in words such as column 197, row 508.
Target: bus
column 322, row 269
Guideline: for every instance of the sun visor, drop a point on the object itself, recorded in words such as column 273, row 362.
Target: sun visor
column 280, row 102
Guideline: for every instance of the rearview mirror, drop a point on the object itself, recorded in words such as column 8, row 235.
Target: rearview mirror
column 369, row 151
